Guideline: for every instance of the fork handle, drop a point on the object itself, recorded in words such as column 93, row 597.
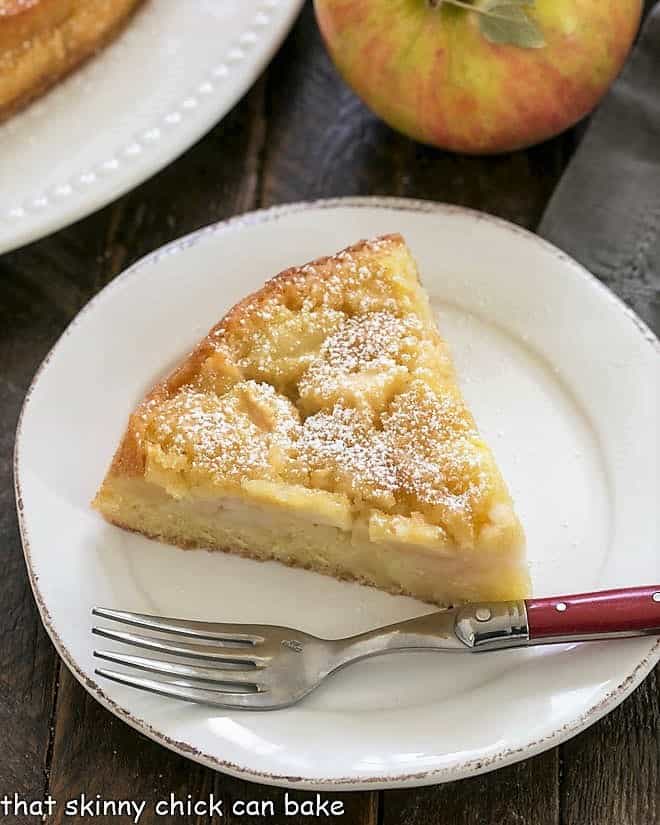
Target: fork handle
column 484, row 626
column 606, row 614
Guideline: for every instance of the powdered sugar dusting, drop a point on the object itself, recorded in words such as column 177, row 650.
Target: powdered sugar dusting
column 226, row 438
column 368, row 342
column 8, row 7
column 345, row 453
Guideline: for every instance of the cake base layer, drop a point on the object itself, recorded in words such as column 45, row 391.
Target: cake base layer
column 443, row 575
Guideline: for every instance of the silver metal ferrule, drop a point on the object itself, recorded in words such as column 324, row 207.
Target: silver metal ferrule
column 492, row 625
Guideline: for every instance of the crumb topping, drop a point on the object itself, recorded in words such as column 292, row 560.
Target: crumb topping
column 333, row 378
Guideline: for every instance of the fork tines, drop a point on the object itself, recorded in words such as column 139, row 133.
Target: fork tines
column 225, row 665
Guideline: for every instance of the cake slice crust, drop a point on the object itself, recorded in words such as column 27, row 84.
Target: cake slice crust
column 320, row 424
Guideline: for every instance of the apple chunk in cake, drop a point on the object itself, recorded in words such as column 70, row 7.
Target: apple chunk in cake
column 320, row 424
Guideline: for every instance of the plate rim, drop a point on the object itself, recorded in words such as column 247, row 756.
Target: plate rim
column 467, row 768
column 94, row 198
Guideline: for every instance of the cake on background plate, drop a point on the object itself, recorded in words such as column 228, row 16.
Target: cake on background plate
column 41, row 41
column 320, row 424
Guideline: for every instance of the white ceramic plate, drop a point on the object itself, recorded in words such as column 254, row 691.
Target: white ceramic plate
column 176, row 69
column 564, row 382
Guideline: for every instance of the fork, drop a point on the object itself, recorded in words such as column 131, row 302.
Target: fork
column 264, row 667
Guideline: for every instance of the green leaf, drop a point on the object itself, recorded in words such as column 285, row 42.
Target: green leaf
column 507, row 22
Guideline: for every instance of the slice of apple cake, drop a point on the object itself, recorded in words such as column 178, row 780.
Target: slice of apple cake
column 320, row 424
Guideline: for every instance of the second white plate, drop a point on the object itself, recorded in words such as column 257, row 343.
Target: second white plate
column 564, row 383
column 176, row 69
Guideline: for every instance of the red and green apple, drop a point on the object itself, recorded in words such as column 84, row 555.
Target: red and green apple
column 479, row 76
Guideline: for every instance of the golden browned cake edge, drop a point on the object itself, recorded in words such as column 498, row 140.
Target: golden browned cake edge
column 47, row 77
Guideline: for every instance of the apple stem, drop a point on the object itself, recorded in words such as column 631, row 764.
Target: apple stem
column 462, row 4
column 466, row 5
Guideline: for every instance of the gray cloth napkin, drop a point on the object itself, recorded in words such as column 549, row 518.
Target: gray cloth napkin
column 606, row 210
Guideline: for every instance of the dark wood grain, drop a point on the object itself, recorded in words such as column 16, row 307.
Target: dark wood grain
column 28, row 665
column 524, row 793
column 611, row 772
column 299, row 134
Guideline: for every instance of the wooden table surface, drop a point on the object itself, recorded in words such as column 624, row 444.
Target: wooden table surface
column 299, row 134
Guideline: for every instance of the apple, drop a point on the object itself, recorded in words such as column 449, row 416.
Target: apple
column 479, row 76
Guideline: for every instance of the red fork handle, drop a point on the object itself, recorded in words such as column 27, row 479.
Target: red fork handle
column 627, row 612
